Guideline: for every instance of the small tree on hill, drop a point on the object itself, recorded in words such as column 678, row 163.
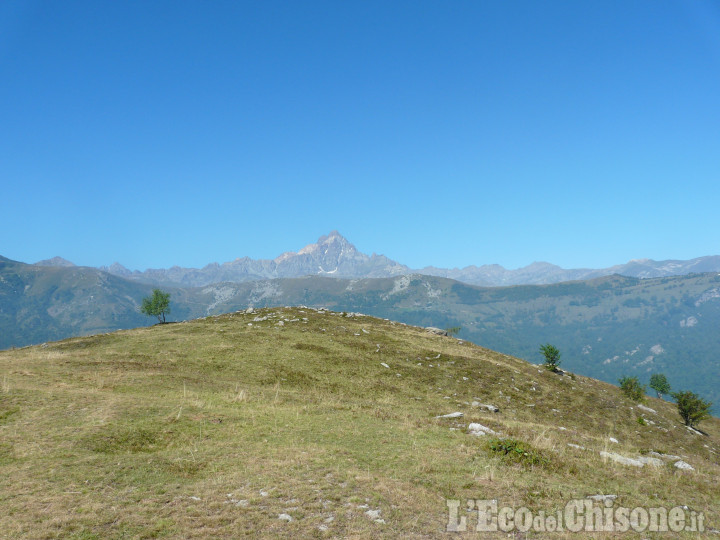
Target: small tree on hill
column 453, row 330
column 660, row 384
column 692, row 408
column 157, row 305
column 632, row 388
column 552, row 356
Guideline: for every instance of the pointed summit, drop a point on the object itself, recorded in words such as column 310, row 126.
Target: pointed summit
column 333, row 236
column 332, row 246
column 334, row 255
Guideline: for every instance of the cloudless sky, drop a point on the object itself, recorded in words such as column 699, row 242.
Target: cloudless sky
column 447, row 133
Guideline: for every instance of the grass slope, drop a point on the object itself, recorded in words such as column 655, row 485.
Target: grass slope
column 214, row 427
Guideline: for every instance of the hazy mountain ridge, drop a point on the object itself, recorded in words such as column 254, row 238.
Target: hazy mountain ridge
column 606, row 327
column 542, row 273
column 333, row 255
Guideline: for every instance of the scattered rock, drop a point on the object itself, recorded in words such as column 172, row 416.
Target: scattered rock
column 622, row 459
column 192, row 497
column 647, row 409
column 479, row 430
column 437, row 331
column 573, row 445
column 655, row 462
column 489, row 407
column 383, row 364
column 285, row 517
column 451, row 415
column 373, row 514
column 684, row 466
column 669, row 457
column 614, row 440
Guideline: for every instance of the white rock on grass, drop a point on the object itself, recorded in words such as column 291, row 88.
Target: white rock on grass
column 647, row 409
column 383, row 364
column 614, row 440
column 479, row 430
column 373, row 514
column 684, row 466
column 655, row 462
column 669, row 457
column 572, row 445
column 285, row 517
column 489, row 407
column 451, row 415
column 622, row 459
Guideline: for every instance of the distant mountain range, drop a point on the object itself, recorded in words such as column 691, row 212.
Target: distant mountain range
column 605, row 327
column 334, row 256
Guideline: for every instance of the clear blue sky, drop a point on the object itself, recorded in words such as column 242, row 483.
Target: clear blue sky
column 583, row 133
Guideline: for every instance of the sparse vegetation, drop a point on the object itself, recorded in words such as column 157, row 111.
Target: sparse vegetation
column 453, row 330
column 692, row 408
column 632, row 388
column 551, row 355
column 214, row 427
column 157, row 305
column 660, row 384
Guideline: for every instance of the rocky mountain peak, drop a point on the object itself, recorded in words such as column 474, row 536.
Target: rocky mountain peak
column 55, row 261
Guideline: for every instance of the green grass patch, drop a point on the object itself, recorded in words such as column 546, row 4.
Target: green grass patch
column 515, row 451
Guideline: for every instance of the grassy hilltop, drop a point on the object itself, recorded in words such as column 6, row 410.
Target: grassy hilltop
column 217, row 427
